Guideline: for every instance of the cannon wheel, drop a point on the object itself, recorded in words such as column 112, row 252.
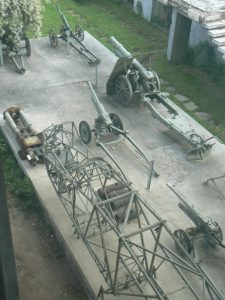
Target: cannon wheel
column 157, row 81
column 216, row 236
column 123, row 89
column 116, row 122
column 184, row 240
column 53, row 38
column 79, row 33
column 27, row 46
column 85, row 132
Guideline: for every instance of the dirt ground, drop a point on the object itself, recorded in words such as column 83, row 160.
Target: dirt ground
column 42, row 269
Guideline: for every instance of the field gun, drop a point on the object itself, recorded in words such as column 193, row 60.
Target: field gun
column 29, row 140
column 108, row 123
column 69, row 36
column 130, row 80
column 15, row 51
column 205, row 227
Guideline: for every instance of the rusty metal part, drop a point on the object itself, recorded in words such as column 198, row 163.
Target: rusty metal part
column 29, row 140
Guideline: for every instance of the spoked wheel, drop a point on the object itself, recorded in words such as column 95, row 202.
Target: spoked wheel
column 157, row 82
column 53, row 38
column 217, row 235
column 116, row 122
column 184, row 240
column 79, row 33
column 85, row 132
column 124, row 89
column 27, row 46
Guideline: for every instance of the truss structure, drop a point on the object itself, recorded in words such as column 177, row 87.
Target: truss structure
column 130, row 243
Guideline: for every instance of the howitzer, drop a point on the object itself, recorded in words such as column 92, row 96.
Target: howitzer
column 68, row 35
column 108, row 123
column 130, row 80
column 205, row 227
column 15, row 51
column 29, row 140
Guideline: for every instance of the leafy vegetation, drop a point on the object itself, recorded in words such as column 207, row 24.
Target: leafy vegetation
column 17, row 183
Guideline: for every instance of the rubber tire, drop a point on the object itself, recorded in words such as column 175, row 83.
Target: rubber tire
column 79, row 33
column 116, row 122
column 53, row 38
column 85, row 132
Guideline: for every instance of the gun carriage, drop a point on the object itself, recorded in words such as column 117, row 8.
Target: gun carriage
column 130, row 80
column 205, row 227
column 16, row 50
column 29, row 140
column 69, row 36
column 108, row 123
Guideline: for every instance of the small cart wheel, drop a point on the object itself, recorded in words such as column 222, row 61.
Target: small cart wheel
column 85, row 132
column 116, row 122
column 53, row 38
column 27, row 46
column 184, row 240
column 124, row 90
column 216, row 236
column 79, row 33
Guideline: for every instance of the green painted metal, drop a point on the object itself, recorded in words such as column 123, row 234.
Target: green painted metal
column 129, row 242
column 130, row 80
column 72, row 38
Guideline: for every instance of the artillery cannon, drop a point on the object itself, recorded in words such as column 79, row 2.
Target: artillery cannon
column 15, row 51
column 108, row 123
column 29, row 140
column 68, row 35
column 130, row 80
column 204, row 227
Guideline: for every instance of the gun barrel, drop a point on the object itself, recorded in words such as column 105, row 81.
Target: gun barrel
column 189, row 210
column 11, row 123
column 65, row 22
column 98, row 105
column 122, row 52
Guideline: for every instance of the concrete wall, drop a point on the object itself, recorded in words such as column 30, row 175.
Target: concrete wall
column 198, row 34
column 178, row 37
column 146, row 8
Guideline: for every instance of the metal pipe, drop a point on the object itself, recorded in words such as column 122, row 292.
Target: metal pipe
column 11, row 122
column 122, row 52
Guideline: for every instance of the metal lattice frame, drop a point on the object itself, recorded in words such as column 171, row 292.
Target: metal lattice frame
column 129, row 242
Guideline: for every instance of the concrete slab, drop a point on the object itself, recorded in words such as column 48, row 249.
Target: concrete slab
column 191, row 106
column 181, row 98
column 54, row 90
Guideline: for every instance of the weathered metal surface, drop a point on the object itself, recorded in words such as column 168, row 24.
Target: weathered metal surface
column 129, row 80
column 29, row 140
column 109, row 123
column 205, row 227
column 129, row 242
column 15, row 51
column 69, row 36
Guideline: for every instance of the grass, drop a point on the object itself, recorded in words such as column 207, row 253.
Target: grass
column 103, row 18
